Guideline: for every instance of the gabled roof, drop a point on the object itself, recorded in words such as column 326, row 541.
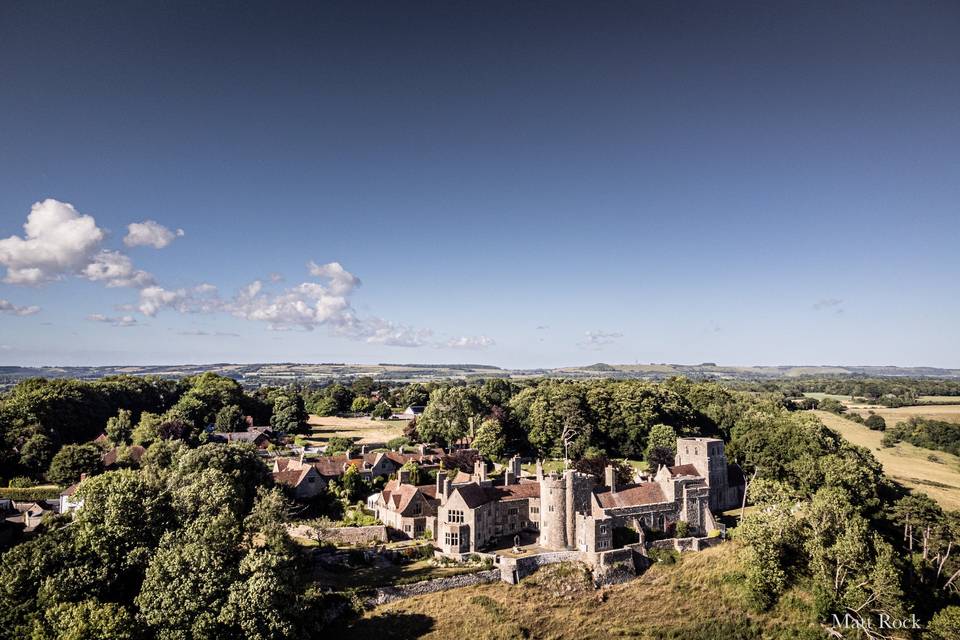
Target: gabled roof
column 522, row 491
column 631, row 495
column 292, row 472
column 399, row 497
column 684, row 470
column 135, row 452
column 72, row 489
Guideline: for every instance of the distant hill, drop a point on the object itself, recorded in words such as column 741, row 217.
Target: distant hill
column 253, row 375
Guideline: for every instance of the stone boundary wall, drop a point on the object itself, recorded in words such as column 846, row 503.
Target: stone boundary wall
column 383, row 595
column 513, row 570
column 686, row 544
column 343, row 535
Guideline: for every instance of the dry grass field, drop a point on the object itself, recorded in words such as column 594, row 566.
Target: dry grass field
column 946, row 412
column 701, row 597
column 363, row 430
column 910, row 466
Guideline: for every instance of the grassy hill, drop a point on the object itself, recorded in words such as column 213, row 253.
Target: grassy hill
column 699, row 598
column 934, row 472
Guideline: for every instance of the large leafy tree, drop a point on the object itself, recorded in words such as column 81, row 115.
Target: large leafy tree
column 74, row 460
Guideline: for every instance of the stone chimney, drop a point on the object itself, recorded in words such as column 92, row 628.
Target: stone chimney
column 423, row 449
column 610, row 477
column 539, row 469
column 440, row 476
column 480, row 470
column 446, row 489
column 83, row 477
column 508, row 478
column 403, row 477
column 515, row 467
column 303, row 450
column 363, row 449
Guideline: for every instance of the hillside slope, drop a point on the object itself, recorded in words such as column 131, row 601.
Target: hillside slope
column 699, row 598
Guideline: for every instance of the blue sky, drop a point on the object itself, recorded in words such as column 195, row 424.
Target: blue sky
column 515, row 183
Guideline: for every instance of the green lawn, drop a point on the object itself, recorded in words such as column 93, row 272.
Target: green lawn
column 371, row 577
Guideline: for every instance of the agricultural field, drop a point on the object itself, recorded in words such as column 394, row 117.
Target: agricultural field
column 700, row 597
column 362, row 430
column 936, row 473
column 945, row 412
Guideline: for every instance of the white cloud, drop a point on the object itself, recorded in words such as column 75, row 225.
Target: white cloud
column 116, row 270
column 150, row 233
column 341, row 281
column 827, row 303
column 8, row 307
column 469, row 342
column 597, row 339
column 57, row 240
column 117, row 321
column 200, row 299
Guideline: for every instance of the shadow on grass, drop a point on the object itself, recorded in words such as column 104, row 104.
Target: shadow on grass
column 388, row 626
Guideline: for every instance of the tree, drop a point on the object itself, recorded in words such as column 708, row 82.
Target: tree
column 86, row 620
column 362, row 404
column 36, row 452
column 490, row 440
column 448, row 416
column 289, row 414
column 120, row 427
column 72, row 461
column 875, row 422
column 147, row 430
column 230, row 418
column 265, row 602
column 597, row 467
column 413, row 469
column 339, row 444
column 662, row 436
column 352, row 484
column 658, row 457
column 382, row 411
column 945, row 625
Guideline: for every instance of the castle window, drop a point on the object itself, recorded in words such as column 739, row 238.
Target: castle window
column 455, row 515
column 452, row 539
column 534, row 511
column 602, row 544
column 550, row 508
column 512, row 512
column 417, row 509
column 603, row 529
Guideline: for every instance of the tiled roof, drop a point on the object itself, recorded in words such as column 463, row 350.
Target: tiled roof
column 400, row 496
column 134, row 451
column 72, row 489
column 291, row 472
column 522, row 491
column 684, row 470
column 473, row 494
column 631, row 495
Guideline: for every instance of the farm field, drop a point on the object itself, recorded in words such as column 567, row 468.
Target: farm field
column 906, row 464
column 700, row 597
column 945, row 412
column 362, row 430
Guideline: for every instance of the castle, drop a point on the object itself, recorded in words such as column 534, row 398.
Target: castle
column 567, row 511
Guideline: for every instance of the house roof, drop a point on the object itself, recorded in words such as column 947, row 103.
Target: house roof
column 291, row 471
column 475, row 495
column 684, row 470
column 631, row 495
column 400, row 496
column 72, row 489
column 135, row 452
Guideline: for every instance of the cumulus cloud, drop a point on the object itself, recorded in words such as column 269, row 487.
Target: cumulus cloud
column 150, row 233
column 57, row 240
column 597, row 339
column 200, row 332
column 469, row 342
column 116, row 321
column 8, row 307
column 200, row 299
column 116, row 270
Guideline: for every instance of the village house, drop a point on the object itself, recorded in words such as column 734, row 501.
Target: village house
column 260, row 437
column 301, row 477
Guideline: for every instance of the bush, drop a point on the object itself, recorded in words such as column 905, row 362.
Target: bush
column 339, row 444
column 876, row 423
column 683, row 529
column 30, row 494
column 21, row 482
column 398, row 442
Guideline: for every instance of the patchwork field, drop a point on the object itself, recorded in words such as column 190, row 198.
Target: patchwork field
column 363, row 430
column 934, row 472
column 697, row 599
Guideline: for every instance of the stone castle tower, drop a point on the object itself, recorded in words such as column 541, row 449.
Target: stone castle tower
column 562, row 497
column 708, row 457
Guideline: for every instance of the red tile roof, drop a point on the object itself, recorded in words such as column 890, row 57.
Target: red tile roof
column 631, row 496
column 684, row 470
